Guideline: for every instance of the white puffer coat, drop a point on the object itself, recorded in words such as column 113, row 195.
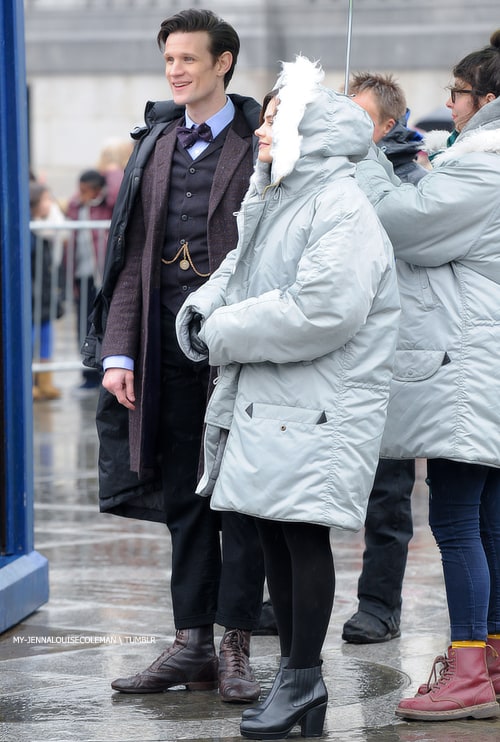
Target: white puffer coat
column 445, row 397
column 302, row 320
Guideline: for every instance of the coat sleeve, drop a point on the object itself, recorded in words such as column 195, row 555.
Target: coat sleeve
column 122, row 332
column 336, row 281
column 437, row 221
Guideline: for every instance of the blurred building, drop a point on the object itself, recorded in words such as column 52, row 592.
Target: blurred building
column 92, row 64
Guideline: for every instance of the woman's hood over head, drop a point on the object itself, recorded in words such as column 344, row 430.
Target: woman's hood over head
column 314, row 120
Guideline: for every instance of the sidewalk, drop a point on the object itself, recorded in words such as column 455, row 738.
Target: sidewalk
column 109, row 614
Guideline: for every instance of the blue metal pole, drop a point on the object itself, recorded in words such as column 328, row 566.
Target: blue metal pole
column 23, row 572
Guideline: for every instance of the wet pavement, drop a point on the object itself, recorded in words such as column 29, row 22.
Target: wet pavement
column 109, row 615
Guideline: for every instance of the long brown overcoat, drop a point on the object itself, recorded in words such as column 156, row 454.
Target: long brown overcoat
column 133, row 322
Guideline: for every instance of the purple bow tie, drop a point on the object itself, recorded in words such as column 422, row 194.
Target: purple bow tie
column 187, row 137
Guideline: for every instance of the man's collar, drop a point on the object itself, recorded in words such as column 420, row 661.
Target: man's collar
column 219, row 120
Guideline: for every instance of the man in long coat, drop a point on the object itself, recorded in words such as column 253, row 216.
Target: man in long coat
column 174, row 224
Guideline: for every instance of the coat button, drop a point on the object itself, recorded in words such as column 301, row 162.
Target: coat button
column 283, row 427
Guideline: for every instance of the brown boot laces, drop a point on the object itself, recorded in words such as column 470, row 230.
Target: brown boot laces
column 235, row 657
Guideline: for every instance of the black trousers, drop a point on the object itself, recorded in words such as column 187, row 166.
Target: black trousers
column 217, row 561
column 388, row 530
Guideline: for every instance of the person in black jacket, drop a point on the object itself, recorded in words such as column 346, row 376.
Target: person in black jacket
column 388, row 525
column 173, row 223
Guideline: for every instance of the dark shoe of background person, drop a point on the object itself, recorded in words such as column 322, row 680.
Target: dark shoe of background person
column 301, row 698
column 237, row 683
column 190, row 661
column 364, row 628
column 267, row 621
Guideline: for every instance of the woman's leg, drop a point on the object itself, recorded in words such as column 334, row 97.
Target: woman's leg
column 456, row 490
column 313, row 588
column 279, row 578
column 490, row 537
column 301, row 580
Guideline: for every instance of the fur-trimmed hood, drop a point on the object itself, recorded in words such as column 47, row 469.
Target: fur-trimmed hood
column 481, row 134
column 315, row 129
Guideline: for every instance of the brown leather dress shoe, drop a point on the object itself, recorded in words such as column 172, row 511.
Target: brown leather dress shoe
column 190, row 661
column 237, row 682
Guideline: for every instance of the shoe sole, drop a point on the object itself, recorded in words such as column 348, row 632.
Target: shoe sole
column 239, row 699
column 363, row 639
column 483, row 711
column 164, row 689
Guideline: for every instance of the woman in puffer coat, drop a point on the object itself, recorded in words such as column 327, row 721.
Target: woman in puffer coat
column 444, row 403
column 302, row 320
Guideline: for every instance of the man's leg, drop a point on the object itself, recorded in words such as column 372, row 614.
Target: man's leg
column 194, row 529
column 388, row 530
column 239, row 606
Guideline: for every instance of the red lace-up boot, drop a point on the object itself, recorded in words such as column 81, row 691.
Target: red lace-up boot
column 462, row 689
column 493, row 663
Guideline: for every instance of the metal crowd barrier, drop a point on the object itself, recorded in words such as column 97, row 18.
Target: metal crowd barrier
column 59, row 288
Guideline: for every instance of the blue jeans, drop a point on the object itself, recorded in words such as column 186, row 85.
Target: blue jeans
column 464, row 516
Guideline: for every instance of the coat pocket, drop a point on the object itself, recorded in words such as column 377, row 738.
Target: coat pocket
column 417, row 365
column 286, row 414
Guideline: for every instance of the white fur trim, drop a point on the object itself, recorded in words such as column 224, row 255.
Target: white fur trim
column 479, row 140
column 435, row 140
column 298, row 85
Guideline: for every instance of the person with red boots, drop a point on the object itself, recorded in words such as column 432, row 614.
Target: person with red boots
column 446, row 386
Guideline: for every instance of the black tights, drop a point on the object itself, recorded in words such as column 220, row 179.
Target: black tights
column 301, row 580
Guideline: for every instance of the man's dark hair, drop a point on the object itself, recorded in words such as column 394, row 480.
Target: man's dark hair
column 390, row 97
column 93, row 178
column 223, row 37
column 481, row 69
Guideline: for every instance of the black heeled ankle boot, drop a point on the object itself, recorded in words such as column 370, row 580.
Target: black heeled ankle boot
column 254, row 710
column 301, row 698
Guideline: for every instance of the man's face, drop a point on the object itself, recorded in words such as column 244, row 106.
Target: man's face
column 367, row 100
column 195, row 78
column 88, row 192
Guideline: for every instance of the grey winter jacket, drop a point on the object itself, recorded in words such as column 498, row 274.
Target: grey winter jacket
column 302, row 320
column 446, row 237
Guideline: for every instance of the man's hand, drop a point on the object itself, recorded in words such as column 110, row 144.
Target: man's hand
column 120, row 382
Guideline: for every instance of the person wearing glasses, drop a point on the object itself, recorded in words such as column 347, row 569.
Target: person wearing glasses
column 444, row 403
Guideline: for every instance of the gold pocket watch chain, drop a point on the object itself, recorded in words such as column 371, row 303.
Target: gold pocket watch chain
column 186, row 260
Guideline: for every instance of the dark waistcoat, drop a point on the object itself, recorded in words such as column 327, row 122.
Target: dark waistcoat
column 185, row 265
